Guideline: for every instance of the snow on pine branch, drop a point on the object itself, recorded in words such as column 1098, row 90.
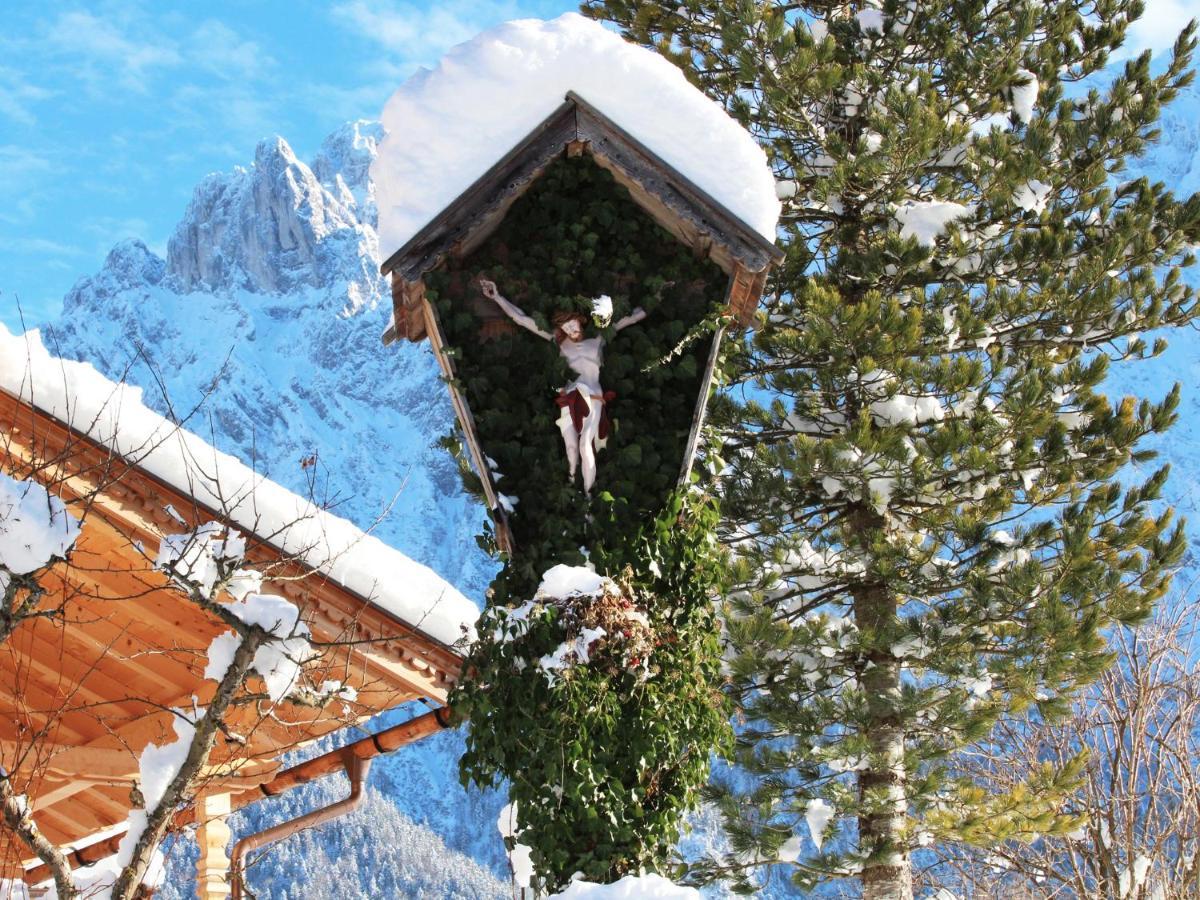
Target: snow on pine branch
column 926, row 220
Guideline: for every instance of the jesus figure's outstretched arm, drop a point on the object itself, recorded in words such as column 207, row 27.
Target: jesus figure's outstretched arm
column 632, row 319
column 513, row 312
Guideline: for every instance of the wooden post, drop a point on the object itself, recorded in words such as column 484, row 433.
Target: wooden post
column 212, row 834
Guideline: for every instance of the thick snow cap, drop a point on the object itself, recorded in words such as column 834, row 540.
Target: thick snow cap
column 114, row 415
column 448, row 126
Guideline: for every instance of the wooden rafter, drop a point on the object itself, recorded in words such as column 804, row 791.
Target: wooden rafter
column 104, row 677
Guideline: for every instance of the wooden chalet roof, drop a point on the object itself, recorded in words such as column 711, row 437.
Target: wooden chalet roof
column 89, row 689
column 578, row 128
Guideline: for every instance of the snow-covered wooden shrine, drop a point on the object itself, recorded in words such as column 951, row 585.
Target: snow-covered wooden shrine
column 90, row 690
column 470, row 139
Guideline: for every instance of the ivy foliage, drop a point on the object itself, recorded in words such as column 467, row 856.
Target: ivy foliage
column 603, row 757
column 603, row 761
column 574, row 235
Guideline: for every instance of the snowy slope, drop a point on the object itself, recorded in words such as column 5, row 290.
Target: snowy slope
column 1175, row 161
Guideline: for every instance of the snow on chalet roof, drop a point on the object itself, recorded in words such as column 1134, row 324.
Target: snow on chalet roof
column 448, row 126
column 114, row 416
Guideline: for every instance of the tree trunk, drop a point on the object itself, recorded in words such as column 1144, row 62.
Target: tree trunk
column 887, row 873
column 203, row 740
column 14, row 811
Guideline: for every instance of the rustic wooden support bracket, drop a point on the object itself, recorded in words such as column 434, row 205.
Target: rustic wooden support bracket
column 212, row 836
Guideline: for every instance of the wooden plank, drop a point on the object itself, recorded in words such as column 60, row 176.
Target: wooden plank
column 745, row 290
column 414, row 314
column 467, row 422
column 69, row 760
column 685, row 230
column 51, row 792
column 706, row 386
column 506, row 179
column 688, row 201
column 394, row 330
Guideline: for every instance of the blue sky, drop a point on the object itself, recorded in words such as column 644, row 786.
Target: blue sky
column 110, row 112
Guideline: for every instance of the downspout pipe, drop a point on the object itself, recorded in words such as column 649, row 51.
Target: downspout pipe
column 366, row 748
column 357, row 770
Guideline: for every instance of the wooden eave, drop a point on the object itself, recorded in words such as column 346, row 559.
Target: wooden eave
column 133, row 649
column 576, row 127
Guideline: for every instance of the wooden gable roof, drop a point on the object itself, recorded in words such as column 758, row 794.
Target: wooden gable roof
column 82, row 693
column 578, row 128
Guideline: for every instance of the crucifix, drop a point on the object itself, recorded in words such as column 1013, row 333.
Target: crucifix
column 583, row 419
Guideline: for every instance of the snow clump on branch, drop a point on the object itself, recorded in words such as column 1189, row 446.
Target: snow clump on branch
column 208, row 560
column 35, row 528
column 600, row 622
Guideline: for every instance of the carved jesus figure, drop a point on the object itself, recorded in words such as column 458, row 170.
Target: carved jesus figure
column 583, row 419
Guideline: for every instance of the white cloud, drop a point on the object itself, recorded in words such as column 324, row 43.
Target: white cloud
column 36, row 246
column 219, row 49
column 18, row 95
column 410, row 30
column 100, row 53
column 108, row 230
column 420, row 33
column 1160, row 25
column 21, row 161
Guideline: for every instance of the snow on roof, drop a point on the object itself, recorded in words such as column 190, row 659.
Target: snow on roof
column 631, row 887
column 114, row 416
column 448, row 126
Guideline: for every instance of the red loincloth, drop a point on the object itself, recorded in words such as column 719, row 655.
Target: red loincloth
column 576, row 400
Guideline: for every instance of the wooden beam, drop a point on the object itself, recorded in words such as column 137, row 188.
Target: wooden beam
column 53, row 792
column 495, row 189
column 745, row 290
column 701, row 411
column 467, row 422
column 686, row 200
column 69, row 761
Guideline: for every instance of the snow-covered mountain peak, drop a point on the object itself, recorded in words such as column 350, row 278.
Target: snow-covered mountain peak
column 129, row 266
column 343, row 165
column 271, row 291
column 272, row 229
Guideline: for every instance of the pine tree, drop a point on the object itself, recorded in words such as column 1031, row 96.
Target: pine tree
column 922, row 485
